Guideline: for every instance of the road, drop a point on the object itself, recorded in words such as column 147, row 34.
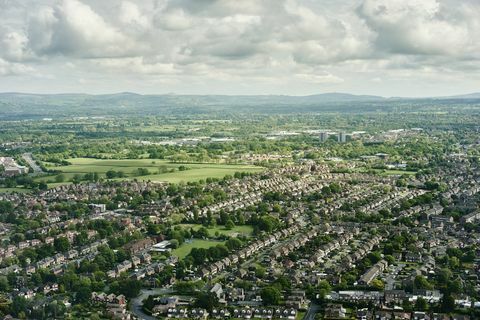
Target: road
column 136, row 304
column 392, row 276
column 29, row 159
column 312, row 310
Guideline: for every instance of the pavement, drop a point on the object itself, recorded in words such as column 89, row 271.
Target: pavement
column 136, row 303
column 311, row 312
column 29, row 159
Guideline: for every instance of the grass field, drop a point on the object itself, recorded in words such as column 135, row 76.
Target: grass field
column 388, row 172
column 195, row 172
column 185, row 248
column 9, row 190
column 399, row 172
column 237, row 230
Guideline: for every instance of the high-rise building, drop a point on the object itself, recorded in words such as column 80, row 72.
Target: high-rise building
column 342, row 137
column 323, row 136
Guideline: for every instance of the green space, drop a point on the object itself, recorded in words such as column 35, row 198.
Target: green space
column 186, row 247
column 9, row 190
column 244, row 230
column 159, row 170
column 399, row 172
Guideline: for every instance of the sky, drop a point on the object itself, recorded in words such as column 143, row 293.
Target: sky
column 294, row 47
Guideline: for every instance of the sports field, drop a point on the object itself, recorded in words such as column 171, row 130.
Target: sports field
column 185, row 248
column 159, row 170
column 245, row 230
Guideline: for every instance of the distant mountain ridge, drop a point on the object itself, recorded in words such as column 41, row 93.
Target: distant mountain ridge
column 30, row 105
column 329, row 96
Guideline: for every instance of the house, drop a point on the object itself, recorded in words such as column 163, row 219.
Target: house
column 220, row 314
column 413, row 257
column 418, row 315
column 364, row 314
column 373, row 272
column 394, row 296
column 138, row 246
column 218, row 291
column 136, row 261
column 166, row 303
column 335, row 311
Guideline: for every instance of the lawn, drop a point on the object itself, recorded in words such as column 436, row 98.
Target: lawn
column 185, row 248
column 10, row 190
column 194, row 172
column 399, row 172
column 237, row 230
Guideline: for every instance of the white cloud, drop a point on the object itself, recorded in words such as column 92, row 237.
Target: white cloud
column 13, row 68
column 132, row 16
column 137, row 65
column 293, row 43
column 173, row 20
column 73, row 28
column 14, row 46
column 325, row 78
column 420, row 26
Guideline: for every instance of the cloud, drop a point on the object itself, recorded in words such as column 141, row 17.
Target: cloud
column 429, row 27
column 137, row 65
column 173, row 20
column 14, row 46
column 73, row 28
column 325, row 78
column 13, row 68
column 343, row 43
column 132, row 16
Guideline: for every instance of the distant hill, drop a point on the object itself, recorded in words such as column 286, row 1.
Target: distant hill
column 471, row 96
column 26, row 105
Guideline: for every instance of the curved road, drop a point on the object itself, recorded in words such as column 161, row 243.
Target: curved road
column 312, row 310
column 136, row 303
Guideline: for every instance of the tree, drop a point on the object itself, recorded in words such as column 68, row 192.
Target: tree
column 229, row 225
column 455, row 286
column 19, row 305
column 110, row 174
column 83, row 295
column 260, row 272
column 270, row 296
column 233, row 244
column 199, row 255
column 207, row 300
column 378, row 284
column 447, row 303
column 421, row 304
column 174, row 243
column 443, row 276
column 130, row 288
column 4, row 286
column 61, row 244
column 6, row 207
column 421, row 282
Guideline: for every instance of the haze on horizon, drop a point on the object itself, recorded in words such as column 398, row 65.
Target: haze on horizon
column 412, row 48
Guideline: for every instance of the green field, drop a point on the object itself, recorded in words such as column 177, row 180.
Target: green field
column 185, row 248
column 195, row 172
column 237, row 230
column 9, row 190
column 399, row 172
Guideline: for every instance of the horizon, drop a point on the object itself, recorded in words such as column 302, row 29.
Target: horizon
column 240, row 48
column 243, row 95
